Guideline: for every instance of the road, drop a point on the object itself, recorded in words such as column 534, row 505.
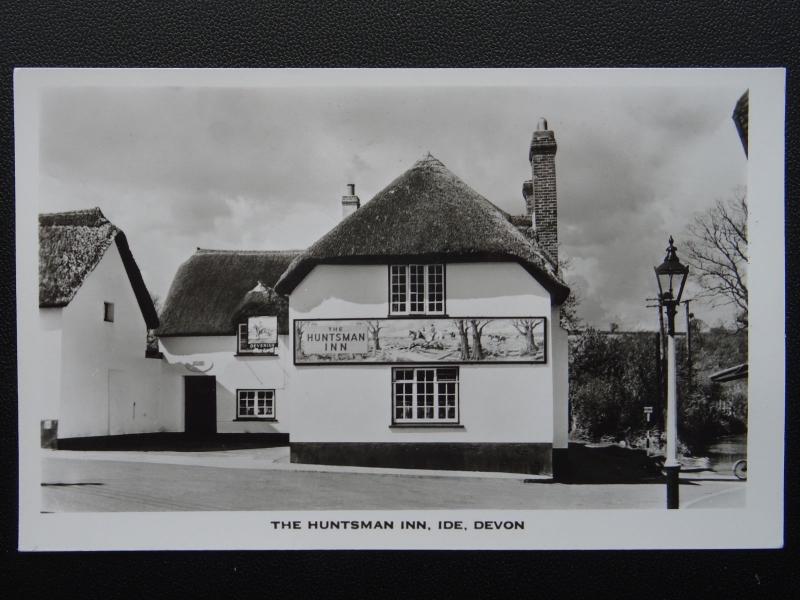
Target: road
column 81, row 484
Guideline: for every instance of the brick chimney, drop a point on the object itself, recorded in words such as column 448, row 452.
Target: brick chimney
column 540, row 192
column 350, row 203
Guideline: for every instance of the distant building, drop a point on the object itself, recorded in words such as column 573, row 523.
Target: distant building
column 94, row 313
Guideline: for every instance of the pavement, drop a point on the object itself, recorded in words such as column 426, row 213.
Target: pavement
column 264, row 479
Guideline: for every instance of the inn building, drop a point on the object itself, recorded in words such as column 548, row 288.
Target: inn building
column 463, row 363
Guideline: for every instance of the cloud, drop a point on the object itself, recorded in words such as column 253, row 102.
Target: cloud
column 178, row 167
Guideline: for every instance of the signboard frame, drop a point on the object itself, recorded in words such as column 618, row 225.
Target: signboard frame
column 537, row 361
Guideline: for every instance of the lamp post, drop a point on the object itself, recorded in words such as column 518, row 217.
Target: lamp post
column 671, row 277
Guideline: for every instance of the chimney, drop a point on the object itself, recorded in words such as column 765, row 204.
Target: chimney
column 350, row 203
column 540, row 192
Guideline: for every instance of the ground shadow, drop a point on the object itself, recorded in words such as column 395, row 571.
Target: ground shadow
column 176, row 442
column 608, row 464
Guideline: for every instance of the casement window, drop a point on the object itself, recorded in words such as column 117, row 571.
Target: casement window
column 244, row 345
column 108, row 312
column 416, row 289
column 425, row 395
column 255, row 404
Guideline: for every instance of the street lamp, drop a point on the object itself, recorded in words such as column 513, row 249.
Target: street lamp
column 671, row 276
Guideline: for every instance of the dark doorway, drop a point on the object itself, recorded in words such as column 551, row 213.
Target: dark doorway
column 201, row 405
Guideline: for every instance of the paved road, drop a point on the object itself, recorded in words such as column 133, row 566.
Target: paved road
column 79, row 484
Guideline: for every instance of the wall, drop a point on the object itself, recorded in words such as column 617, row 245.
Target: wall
column 49, row 377
column 107, row 386
column 498, row 403
column 216, row 355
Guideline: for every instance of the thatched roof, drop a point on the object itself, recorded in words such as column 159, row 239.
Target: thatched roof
column 427, row 214
column 212, row 286
column 741, row 117
column 71, row 245
column 261, row 301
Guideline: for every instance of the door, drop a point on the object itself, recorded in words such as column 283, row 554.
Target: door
column 200, row 405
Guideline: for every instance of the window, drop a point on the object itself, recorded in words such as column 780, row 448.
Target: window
column 255, row 404
column 108, row 312
column 416, row 289
column 425, row 395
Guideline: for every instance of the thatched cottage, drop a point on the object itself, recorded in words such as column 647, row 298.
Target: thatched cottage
column 224, row 330
column 426, row 328
column 422, row 331
column 94, row 313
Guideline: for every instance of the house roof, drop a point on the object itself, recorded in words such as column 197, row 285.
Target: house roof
column 71, row 245
column 262, row 301
column 213, row 288
column 427, row 214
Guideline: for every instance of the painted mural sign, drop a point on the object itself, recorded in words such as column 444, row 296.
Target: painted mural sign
column 455, row 340
column 262, row 333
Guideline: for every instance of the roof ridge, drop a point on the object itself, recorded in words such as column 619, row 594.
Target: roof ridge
column 69, row 218
column 230, row 251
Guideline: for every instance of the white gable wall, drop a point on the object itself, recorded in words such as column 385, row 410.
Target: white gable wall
column 49, row 376
column 108, row 387
column 498, row 403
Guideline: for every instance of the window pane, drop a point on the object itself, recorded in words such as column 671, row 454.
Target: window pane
column 416, row 286
column 398, row 288
column 435, row 288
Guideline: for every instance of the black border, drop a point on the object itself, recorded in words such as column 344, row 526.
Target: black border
column 465, row 363
column 183, row 33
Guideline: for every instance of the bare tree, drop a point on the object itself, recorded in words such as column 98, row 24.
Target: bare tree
column 477, row 330
column 298, row 338
column 375, row 330
column 717, row 253
column 461, row 327
column 526, row 327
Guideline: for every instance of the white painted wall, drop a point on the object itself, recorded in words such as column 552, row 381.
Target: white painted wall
column 107, row 386
column 498, row 403
column 49, row 376
column 216, row 355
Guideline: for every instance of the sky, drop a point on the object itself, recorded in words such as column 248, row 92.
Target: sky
column 178, row 168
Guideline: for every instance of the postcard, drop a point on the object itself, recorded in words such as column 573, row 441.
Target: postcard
column 400, row 309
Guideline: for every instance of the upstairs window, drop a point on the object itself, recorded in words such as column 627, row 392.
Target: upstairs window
column 108, row 312
column 416, row 289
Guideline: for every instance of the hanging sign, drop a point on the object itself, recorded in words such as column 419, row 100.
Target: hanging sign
column 262, row 333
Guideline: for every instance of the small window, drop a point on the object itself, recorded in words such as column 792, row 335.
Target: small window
column 108, row 312
column 255, row 404
column 416, row 289
column 426, row 395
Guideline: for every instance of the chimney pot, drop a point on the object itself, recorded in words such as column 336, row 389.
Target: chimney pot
column 542, row 124
column 350, row 202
